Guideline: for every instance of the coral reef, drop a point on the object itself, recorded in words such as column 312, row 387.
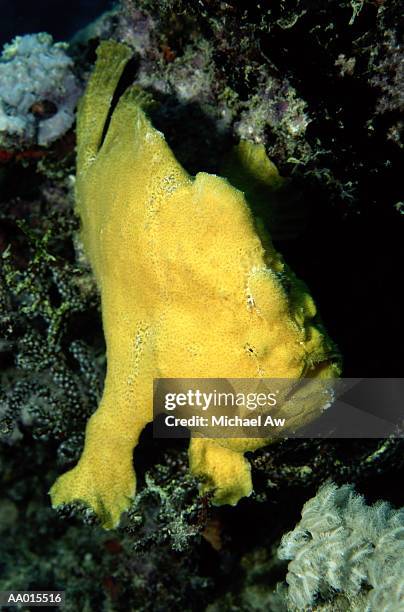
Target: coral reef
column 344, row 554
column 329, row 74
column 49, row 382
column 39, row 91
column 126, row 570
column 254, row 80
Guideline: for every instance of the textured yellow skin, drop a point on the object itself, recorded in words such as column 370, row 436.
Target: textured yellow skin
column 187, row 285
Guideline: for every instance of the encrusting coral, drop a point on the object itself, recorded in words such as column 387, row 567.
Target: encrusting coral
column 191, row 287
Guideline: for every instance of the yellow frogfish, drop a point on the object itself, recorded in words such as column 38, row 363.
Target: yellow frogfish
column 191, row 287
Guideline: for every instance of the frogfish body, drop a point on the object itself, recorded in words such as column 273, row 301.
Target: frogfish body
column 191, row 287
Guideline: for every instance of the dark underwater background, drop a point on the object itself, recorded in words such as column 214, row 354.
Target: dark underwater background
column 61, row 19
